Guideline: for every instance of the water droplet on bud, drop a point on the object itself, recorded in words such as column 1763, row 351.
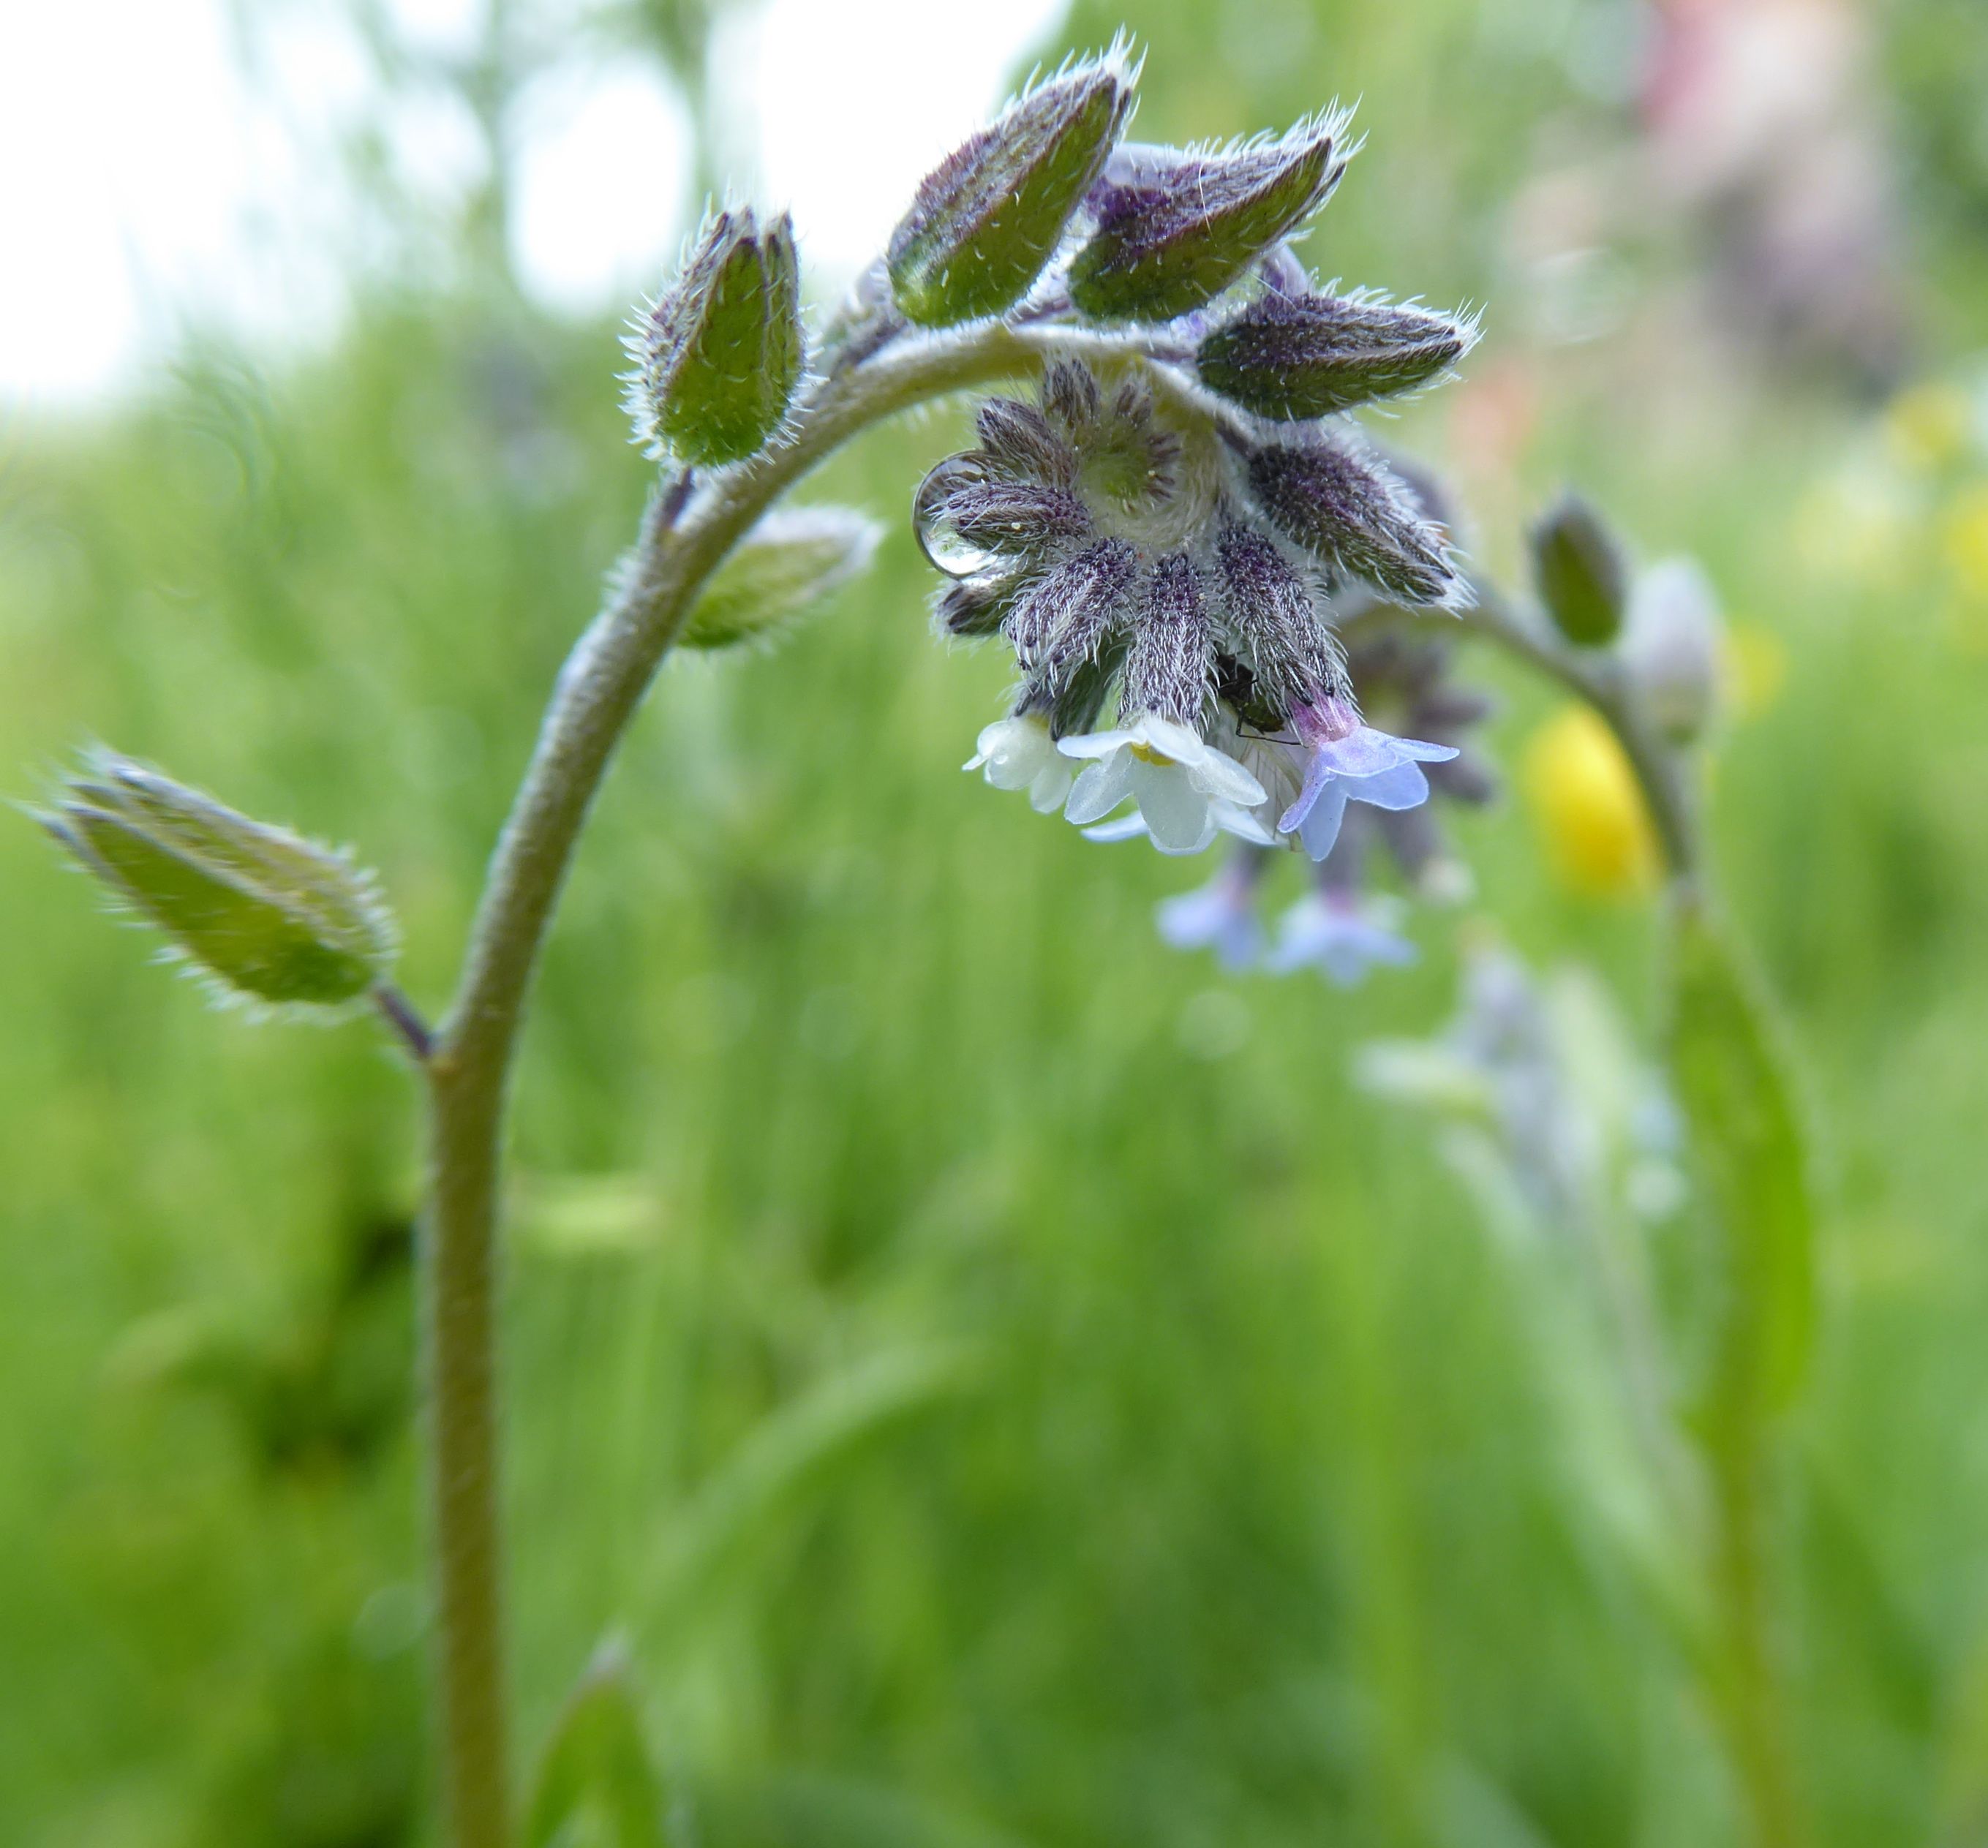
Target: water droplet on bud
column 933, row 523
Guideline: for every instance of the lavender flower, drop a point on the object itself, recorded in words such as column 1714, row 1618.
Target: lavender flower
column 1220, row 916
column 1343, row 934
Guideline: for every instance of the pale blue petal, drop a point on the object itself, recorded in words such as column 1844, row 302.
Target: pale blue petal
column 1403, row 786
column 1319, row 828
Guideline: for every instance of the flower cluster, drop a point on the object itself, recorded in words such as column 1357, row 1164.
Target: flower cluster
column 1163, row 535
column 1156, row 565
column 1342, row 928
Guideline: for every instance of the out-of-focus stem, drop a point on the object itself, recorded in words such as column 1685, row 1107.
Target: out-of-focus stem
column 683, row 538
column 1597, row 679
column 1738, row 1661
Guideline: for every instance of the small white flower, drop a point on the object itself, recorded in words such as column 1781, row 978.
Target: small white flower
column 1185, row 788
column 1020, row 754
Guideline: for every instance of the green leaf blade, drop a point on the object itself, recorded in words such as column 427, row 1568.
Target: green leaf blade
column 596, row 1782
column 1748, row 1150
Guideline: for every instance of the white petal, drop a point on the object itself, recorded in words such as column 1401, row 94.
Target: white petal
column 1176, row 812
column 1095, row 744
column 1219, row 775
column 1180, row 743
column 1101, row 788
column 1127, row 827
column 1242, row 821
column 1051, row 785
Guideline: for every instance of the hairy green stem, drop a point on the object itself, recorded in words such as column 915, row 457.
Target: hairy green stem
column 468, row 1068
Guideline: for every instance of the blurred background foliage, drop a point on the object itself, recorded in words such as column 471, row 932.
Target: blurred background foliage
column 1008, row 1382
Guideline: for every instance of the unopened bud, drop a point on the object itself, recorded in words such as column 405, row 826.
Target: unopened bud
column 1298, row 357
column 989, row 217
column 718, row 357
column 1354, row 517
column 1293, row 657
column 1671, row 647
column 266, row 914
column 971, row 608
column 790, row 561
column 1175, row 229
column 967, row 519
column 1577, row 566
column 1170, row 665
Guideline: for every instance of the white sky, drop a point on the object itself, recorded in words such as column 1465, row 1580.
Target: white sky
column 144, row 179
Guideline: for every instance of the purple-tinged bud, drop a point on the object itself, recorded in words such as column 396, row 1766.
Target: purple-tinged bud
column 1282, row 270
column 974, row 607
column 266, row 915
column 718, row 357
column 1293, row 655
column 1305, row 357
column 966, row 520
column 1355, row 518
column 987, row 219
column 1170, row 665
column 1578, row 569
column 1174, row 230
column 1064, row 619
column 1017, row 443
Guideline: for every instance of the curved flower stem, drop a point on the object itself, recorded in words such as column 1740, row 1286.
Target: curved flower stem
column 682, row 540
column 1659, row 769
column 1597, row 679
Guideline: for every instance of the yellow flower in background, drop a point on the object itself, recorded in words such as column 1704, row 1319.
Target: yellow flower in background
column 1858, row 523
column 1755, row 664
column 1964, row 546
column 1964, row 539
column 1928, row 427
column 1583, row 794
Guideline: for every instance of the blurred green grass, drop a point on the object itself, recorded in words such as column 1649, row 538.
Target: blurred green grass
column 1011, row 1385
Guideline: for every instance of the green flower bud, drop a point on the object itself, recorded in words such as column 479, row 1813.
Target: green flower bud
column 1577, row 566
column 989, row 217
column 791, row 560
column 268, row 916
column 1298, row 357
column 718, row 357
column 1175, row 229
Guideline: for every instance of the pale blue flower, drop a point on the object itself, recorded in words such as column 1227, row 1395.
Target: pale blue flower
column 1220, row 916
column 1345, row 761
column 1341, row 935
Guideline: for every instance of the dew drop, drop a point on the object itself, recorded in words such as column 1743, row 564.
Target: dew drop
column 938, row 538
